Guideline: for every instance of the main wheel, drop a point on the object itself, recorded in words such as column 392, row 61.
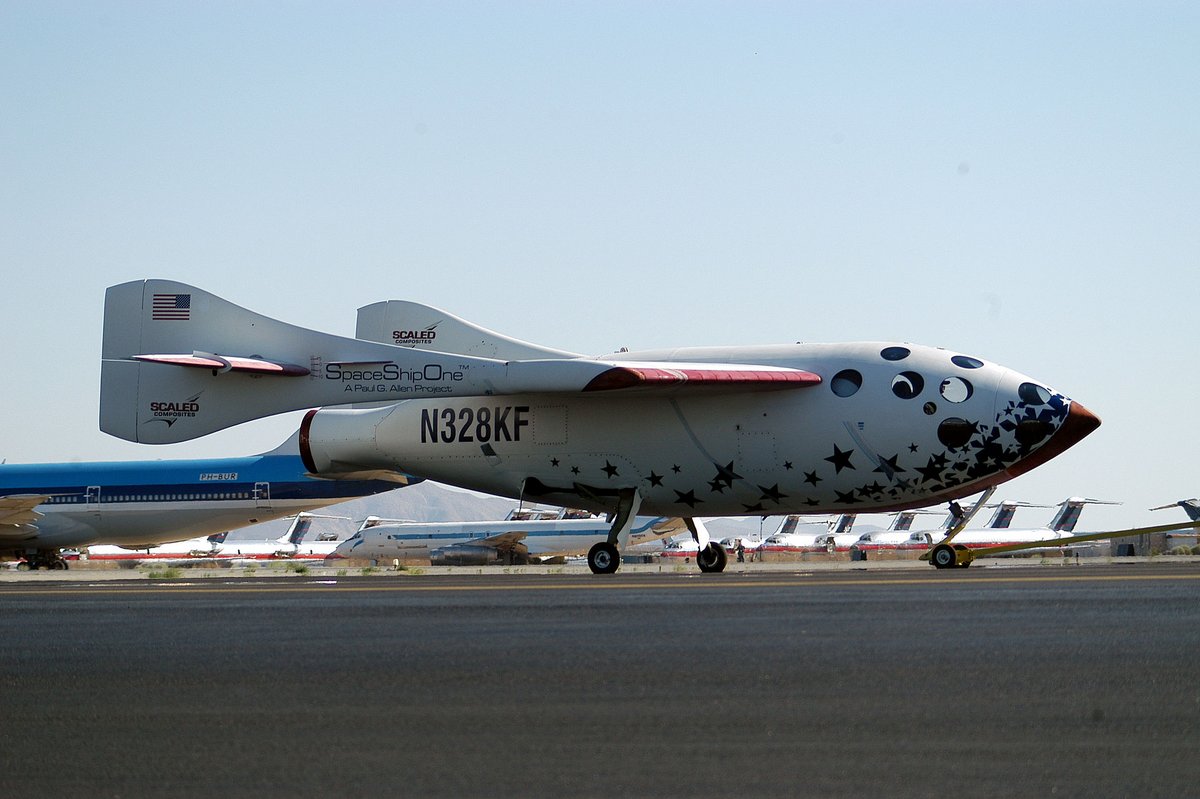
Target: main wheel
column 603, row 558
column 712, row 558
column 944, row 557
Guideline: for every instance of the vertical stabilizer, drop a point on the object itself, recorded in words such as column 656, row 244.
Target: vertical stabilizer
column 423, row 327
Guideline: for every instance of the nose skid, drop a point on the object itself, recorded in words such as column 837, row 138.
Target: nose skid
column 1078, row 424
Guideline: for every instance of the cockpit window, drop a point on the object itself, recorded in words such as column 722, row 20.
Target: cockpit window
column 1033, row 393
column 907, row 385
column 955, row 389
column 895, row 353
column 846, row 383
column 966, row 362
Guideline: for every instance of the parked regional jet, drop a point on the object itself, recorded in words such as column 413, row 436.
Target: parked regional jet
column 522, row 537
column 46, row 507
column 791, row 537
column 712, row 431
column 292, row 545
column 190, row 549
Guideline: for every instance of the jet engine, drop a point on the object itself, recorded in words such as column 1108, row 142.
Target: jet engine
column 474, row 555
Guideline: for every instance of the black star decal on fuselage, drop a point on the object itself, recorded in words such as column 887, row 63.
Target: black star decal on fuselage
column 773, row 493
column 655, row 479
column 841, row 459
column 688, row 499
column 726, row 474
column 811, row 478
column 890, row 467
column 610, row 470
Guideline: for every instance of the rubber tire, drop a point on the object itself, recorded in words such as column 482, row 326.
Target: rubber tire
column 712, row 558
column 944, row 557
column 603, row 558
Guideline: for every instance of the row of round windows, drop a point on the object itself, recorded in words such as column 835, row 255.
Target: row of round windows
column 906, row 385
column 909, row 384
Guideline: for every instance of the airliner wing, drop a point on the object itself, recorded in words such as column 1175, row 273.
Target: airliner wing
column 17, row 515
column 511, row 542
column 500, row 540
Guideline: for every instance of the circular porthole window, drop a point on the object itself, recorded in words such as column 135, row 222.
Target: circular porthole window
column 846, row 383
column 955, row 389
column 966, row 362
column 907, row 385
column 955, row 433
column 1033, row 393
column 895, row 353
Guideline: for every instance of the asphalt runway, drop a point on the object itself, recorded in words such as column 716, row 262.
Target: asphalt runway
column 1015, row 682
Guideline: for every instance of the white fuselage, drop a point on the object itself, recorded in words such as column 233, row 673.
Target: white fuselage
column 889, row 427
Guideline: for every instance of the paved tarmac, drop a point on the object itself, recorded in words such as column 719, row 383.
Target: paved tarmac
column 1015, row 681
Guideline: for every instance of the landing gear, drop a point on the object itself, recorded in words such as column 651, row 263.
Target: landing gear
column 603, row 558
column 945, row 556
column 42, row 560
column 712, row 558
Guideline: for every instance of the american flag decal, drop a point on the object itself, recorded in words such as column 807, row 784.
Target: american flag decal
column 171, row 307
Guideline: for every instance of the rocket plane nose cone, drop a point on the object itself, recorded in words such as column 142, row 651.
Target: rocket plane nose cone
column 1078, row 424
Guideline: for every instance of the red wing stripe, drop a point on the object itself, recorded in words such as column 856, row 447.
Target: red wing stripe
column 235, row 364
column 654, row 376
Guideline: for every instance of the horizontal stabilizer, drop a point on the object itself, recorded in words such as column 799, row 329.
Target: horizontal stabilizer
column 227, row 363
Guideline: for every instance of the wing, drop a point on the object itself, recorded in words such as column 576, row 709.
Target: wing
column 18, row 519
column 965, row 556
column 503, row 541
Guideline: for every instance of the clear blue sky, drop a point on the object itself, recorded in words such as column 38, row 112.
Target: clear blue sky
column 1018, row 181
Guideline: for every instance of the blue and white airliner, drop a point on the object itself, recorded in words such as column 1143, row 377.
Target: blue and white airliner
column 137, row 504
